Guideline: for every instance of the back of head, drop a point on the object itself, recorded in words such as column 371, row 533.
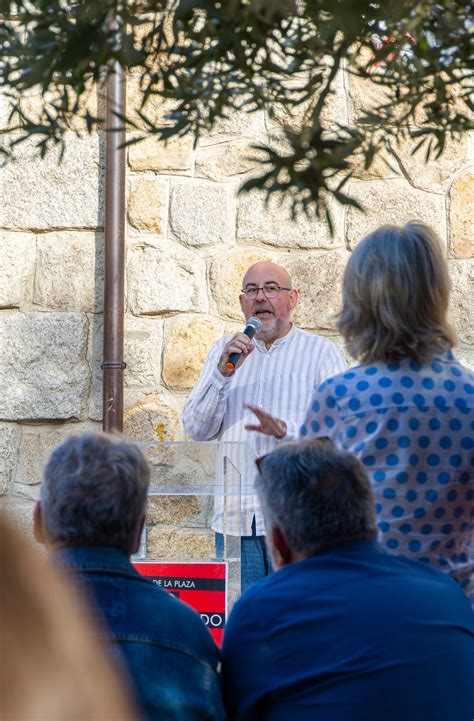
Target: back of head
column 94, row 492
column 317, row 495
column 52, row 667
column 395, row 296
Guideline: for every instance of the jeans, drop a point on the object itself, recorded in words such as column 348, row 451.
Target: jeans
column 255, row 560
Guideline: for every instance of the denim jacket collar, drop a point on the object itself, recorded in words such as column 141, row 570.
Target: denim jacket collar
column 94, row 558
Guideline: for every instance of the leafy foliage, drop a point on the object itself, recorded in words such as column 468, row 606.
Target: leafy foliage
column 209, row 58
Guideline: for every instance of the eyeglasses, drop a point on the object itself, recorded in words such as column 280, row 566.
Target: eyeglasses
column 323, row 440
column 270, row 290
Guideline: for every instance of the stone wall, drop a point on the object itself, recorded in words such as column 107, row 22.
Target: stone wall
column 190, row 237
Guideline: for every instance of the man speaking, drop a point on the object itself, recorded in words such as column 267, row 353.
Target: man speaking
column 277, row 370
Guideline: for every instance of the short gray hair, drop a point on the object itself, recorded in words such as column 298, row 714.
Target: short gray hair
column 94, row 491
column 316, row 494
column 395, row 296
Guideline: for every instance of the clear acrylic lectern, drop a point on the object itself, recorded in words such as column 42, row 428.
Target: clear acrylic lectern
column 195, row 490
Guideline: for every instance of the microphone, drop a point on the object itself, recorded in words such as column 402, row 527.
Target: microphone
column 252, row 327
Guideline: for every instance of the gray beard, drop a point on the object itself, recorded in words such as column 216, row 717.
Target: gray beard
column 268, row 335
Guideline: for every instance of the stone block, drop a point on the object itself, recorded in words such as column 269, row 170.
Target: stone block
column 461, row 216
column 43, row 368
column 70, row 271
column 94, row 358
column 32, row 104
column 93, row 101
column 294, row 116
column 9, row 445
column 226, row 273
column 393, row 202
column 172, row 510
column 163, row 278
column 5, row 110
column 187, row 344
column 220, row 160
column 318, row 278
column 202, row 213
column 271, row 224
column 384, row 166
column 19, row 511
column 157, row 110
column 172, row 157
column 44, row 194
column 461, row 309
column 28, row 492
column 147, row 205
column 243, row 121
column 180, row 543
column 17, row 260
column 37, row 445
column 366, row 95
column 155, row 418
column 363, row 93
column 435, row 174
column 143, row 347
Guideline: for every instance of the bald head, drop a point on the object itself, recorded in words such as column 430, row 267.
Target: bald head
column 274, row 273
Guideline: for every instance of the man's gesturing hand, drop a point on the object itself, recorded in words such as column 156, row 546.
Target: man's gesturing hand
column 269, row 425
column 240, row 343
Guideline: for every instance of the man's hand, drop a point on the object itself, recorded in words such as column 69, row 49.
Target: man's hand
column 240, row 343
column 269, row 425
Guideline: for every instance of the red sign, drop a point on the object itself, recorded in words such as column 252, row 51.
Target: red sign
column 201, row 585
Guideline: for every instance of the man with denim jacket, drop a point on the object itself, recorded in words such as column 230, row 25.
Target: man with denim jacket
column 91, row 515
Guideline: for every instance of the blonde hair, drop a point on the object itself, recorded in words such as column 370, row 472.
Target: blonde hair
column 53, row 668
column 395, row 296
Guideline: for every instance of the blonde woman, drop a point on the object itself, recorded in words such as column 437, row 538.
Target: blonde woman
column 52, row 669
column 407, row 411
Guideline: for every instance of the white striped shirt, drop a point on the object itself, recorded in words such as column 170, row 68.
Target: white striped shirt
column 281, row 380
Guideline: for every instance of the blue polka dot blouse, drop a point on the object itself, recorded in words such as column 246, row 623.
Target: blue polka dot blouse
column 412, row 426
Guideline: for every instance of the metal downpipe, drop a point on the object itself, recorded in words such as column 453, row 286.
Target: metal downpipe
column 114, row 251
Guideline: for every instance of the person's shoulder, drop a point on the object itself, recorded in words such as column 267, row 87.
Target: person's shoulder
column 256, row 603
column 342, row 383
column 169, row 620
column 423, row 578
column 462, row 371
column 319, row 349
column 315, row 339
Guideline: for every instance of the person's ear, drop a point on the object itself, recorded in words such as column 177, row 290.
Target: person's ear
column 282, row 555
column 137, row 536
column 293, row 298
column 38, row 530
